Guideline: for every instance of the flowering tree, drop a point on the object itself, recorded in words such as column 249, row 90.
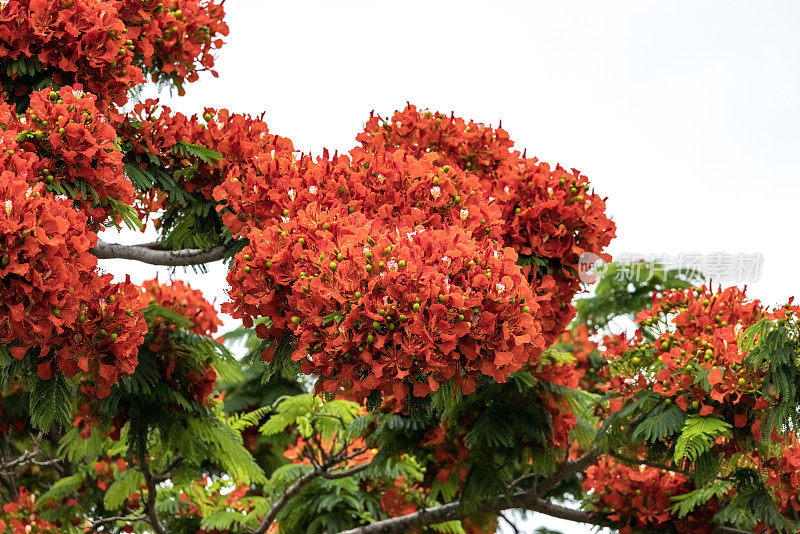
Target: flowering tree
column 407, row 312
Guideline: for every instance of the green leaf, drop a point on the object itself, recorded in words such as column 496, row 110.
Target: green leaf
column 62, row 488
column 167, row 315
column 684, row 504
column 127, row 483
column 205, row 154
column 698, row 436
column 51, row 402
column 658, row 426
column 140, row 178
column 227, row 449
column 754, row 333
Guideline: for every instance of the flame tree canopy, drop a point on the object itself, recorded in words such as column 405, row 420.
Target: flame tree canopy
column 413, row 358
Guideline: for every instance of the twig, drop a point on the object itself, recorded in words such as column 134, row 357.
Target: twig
column 29, row 457
column 509, row 523
column 102, row 521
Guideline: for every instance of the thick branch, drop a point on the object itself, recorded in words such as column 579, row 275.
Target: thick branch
column 148, row 253
column 570, row 514
column 150, row 503
column 454, row 511
column 526, row 500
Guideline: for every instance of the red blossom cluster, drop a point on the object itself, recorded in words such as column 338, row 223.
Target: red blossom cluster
column 578, row 343
column 449, row 452
column 182, row 299
column 77, row 41
column 176, row 38
column 546, row 213
column 234, row 499
column 783, row 475
column 640, row 497
column 388, row 185
column 53, row 298
column 390, row 311
column 21, row 516
column 700, row 329
column 104, row 44
column 69, row 143
column 242, row 140
column 390, row 265
column 197, row 379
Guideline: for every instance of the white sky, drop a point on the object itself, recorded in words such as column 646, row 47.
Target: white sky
column 684, row 113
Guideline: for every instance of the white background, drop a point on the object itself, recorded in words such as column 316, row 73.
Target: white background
column 684, row 113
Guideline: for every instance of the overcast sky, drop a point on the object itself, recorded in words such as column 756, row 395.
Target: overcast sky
column 684, row 113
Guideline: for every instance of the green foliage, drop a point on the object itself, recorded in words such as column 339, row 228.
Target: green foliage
column 125, row 484
column 204, row 154
column 225, row 448
column 51, row 402
column 753, row 503
column 698, row 436
column 62, row 488
column 623, row 290
column 661, row 422
column 75, row 448
column 686, row 503
column 774, row 349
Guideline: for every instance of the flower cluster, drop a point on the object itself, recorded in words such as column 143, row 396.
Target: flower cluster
column 53, row 298
column 695, row 360
column 175, row 39
column 196, row 379
column 548, row 215
column 585, row 352
column 394, row 311
column 106, row 337
column 449, row 452
column 390, row 186
column 390, row 265
column 104, row 44
column 45, row 245
column 242, row 141
column 72, row 148
column 640, row 497
column 182, row 299
column 21, row 516
column 78, row 41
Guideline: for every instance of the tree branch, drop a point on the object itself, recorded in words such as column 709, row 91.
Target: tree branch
column 526, row 500
column 570, row 514
column 150, row 503
column 454, row 511
column 29, row 457
column 290, row 492
column 150, row 253
column 105, row 520
column 300, row 483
